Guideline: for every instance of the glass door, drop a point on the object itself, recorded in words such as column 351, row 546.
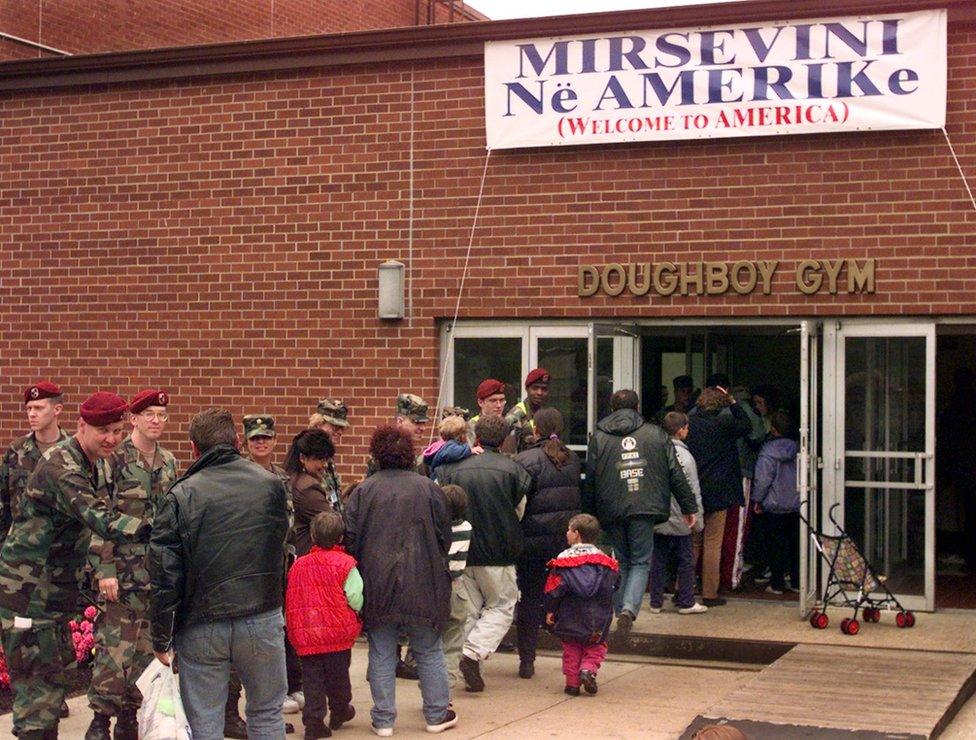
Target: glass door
column 613, row 364
column 883, row 451
column 564, row 351
column 808, row 464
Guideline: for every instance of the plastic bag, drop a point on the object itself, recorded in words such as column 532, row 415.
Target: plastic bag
column 161, row 716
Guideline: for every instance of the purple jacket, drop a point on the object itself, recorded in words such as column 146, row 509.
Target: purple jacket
column 579, row 591
column 774, row 486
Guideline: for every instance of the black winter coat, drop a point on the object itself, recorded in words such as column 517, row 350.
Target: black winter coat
column 399, row 530
column 217, row 549
column 632, row 470
column 555, row 500
column 495, row 486
column 712, row 439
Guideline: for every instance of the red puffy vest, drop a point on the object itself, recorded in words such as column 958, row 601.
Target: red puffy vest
column 318, row 618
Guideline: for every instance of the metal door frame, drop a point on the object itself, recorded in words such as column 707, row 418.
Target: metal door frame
column 835, row 453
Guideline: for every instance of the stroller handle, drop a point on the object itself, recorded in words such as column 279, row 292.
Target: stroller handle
column 832, row 518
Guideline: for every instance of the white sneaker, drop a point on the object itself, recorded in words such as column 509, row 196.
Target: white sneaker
column 695, row 608
column 654, row 609
column 299, row 696
column 771, row 590
column 290, row 706
column 382, row 731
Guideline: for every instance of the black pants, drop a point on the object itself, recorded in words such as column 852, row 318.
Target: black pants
column 530, row 612
column 782, row 533
column 293, row 668
column 326, row 676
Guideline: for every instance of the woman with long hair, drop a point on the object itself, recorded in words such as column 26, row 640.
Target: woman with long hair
column 555, row 470
column 308, row 456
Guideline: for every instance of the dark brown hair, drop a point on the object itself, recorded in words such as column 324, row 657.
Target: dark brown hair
column 587, row 526
column 326, row 528
column 712, row 399
column 212, row 427
column 392, row 447
column 624, row 399
column 312, row 443
column 457, row 500
column 492, row 430
column 549, row 425
column 674, row 421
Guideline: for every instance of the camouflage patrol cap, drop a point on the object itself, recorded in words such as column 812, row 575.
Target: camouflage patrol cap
column 259, row 425
column 333, row 411
column 455, row 411
column 413, row 407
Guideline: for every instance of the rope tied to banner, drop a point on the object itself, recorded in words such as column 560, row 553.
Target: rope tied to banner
column 460, row 293
column 962, row 174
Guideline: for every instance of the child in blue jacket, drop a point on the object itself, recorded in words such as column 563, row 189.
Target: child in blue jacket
column 451, row 447
column 776, row 500
column 579, row 602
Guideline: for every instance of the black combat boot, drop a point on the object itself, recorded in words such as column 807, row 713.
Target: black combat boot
column 126, row 725
column 98, row 729
column 234, row 725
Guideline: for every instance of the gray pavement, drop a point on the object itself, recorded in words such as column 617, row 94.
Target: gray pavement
column 636, row 699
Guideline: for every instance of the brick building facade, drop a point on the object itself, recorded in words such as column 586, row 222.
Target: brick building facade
column 93, row 26
column 219, row 235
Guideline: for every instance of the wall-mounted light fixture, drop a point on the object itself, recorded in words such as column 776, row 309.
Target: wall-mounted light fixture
column 391, row 290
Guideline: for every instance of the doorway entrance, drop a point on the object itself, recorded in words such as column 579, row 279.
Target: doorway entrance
column 955, row 474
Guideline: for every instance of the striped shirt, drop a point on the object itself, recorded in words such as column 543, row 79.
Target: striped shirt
column 460, row 541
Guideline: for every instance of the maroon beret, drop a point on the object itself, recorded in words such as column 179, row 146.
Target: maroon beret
column 44, row 389
column 489, row 388
column 103, row 408
column 149, row 397
column 540, row 374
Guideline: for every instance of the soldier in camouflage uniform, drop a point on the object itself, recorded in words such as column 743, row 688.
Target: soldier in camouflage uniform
column 411, row 414
column 520, row 415
column 142, row 471
column 43, row 402
column 331, row 416
column 43, row 559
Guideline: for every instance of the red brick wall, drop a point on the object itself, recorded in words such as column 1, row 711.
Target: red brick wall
column 89, row 26
column 220, row 237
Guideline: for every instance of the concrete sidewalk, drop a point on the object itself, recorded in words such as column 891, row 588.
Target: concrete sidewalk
column 637, row 699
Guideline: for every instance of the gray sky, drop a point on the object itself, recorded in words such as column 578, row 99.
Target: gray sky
column 500, row 9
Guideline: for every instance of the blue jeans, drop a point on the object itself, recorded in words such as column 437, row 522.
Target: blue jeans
column 253, row 646
column 633, row 545
column 428, row 651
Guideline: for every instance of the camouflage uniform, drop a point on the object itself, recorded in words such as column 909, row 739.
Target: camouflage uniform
column 123, row 645
column 335, row 412
column 414, row 408
column 41, row 567
column 18, row 462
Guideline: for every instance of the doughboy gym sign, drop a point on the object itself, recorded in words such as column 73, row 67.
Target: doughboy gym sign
column 717, row 278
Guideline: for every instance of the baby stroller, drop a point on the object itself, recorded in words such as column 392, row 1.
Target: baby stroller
column 852, row 582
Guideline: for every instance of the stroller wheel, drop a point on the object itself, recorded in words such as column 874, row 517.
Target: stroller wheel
column 850, row 626
column 901, row 620
column 872, row 614
column 819, row 620
column 909, row 619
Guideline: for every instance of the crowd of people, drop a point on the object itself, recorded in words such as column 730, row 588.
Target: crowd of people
column 258, row 577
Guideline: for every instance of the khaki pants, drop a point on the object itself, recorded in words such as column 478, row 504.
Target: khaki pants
column 492, row 593
column 708, row 545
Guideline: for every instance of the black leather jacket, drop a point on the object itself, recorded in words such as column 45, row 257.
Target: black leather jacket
column 217, row 546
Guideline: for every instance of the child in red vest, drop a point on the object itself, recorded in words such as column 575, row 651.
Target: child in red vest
column 325, row 592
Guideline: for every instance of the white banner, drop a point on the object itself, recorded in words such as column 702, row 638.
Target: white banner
column 788, row 77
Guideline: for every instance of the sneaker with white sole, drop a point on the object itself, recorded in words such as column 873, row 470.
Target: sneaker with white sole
column 299, row 696
column 695, row 608
column 771, row 590
column 450, row 719
column 290, row 706
column 654, row 609
column 382, row 731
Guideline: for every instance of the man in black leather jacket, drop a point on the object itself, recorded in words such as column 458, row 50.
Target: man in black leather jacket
column 631, row 474
column 216, row 564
